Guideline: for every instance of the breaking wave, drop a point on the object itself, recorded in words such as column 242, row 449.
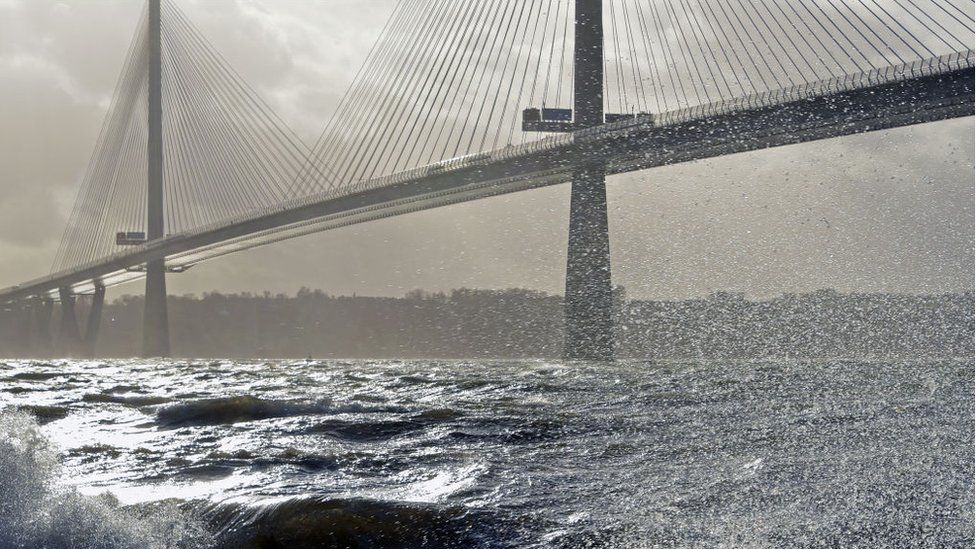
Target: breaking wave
column 44, row 414
column 134, row 401
column 36, row 511
column 323, row 522
column 225, row 410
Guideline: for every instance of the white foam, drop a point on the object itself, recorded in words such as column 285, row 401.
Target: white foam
column 38, row 510
column 442, row 484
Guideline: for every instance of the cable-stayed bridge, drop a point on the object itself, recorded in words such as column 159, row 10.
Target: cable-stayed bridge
column 464, row 99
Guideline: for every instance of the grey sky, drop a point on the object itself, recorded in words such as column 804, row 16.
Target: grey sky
column 889, row 211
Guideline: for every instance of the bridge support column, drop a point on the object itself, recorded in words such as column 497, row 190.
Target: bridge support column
column 589, row 299
column 589, row 302
column 69, row 336
column 25, row 314
column 94, row 321
column 155, row 326
column 43, row 311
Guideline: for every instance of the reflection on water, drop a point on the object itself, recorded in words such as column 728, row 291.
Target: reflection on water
column 493, row 454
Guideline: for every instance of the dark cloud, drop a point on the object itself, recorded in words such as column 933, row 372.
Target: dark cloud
column 887, row 211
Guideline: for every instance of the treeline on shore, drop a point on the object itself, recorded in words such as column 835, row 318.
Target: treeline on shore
column 518, row 323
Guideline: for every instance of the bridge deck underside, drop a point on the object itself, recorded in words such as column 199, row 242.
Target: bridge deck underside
column 637, row 144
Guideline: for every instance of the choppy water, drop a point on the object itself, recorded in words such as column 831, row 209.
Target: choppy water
column 487, row 454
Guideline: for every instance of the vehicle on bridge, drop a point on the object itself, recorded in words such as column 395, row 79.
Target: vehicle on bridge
column 130, row 238
column 549, row 120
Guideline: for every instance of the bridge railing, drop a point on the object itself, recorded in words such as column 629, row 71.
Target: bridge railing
column 851, row 82
column 887, row 75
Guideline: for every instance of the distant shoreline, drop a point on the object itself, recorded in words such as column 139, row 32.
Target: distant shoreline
column 520, row 324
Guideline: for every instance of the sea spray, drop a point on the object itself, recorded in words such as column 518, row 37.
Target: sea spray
column 37, row 511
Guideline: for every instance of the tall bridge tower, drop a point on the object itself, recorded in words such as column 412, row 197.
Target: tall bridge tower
column 589, row 300
column 155, row 326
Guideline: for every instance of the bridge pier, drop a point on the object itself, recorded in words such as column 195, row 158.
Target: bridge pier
column 16, row 328
column 589, row 301
column 24, row 319
column 69, row 336
column 43, row 309
column 94, row 321
column 155, row 325
column 589, row 298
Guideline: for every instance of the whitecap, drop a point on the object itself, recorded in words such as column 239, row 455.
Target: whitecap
column 38, row 510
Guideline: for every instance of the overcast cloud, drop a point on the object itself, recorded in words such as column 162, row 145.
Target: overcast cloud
column 888, row 211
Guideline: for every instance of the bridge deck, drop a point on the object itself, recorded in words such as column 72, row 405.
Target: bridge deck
column 924, row 91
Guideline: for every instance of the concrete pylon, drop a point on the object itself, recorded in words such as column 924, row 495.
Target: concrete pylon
column 589, row 299
column 155, row 326
column 43, row 312
column 94, row 321
column 69, row 336
column 25, row 314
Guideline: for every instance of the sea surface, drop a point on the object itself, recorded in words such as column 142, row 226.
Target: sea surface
column 792, row 453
